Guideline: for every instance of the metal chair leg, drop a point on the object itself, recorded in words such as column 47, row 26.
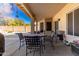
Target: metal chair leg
column 20, row 45
column 26, row 51
column 34, row 53
column 40, row 51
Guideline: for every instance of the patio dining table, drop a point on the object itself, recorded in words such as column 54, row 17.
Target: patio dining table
column 34, row 34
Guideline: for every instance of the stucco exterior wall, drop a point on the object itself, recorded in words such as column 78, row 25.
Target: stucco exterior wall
column 62, row 15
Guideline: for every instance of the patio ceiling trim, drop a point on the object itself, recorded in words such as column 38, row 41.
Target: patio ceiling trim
column 26, row 10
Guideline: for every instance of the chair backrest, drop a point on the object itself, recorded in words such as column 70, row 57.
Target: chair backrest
column 33, row 40
column 20, row 35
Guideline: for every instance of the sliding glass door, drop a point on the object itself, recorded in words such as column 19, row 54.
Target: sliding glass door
column 70, row 23
column 76, row 22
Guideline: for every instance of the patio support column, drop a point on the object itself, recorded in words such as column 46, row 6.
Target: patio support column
column 36, row 25
column 32, row 25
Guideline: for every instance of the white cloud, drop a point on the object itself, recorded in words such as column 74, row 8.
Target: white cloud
column 5, row 9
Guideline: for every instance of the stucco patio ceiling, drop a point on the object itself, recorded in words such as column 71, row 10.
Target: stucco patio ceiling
column 43, row 10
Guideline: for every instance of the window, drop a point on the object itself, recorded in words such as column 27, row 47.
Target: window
column 41, row 27
column 56, row 26
column 70, row 23
column 76, row 22
column 48, row 26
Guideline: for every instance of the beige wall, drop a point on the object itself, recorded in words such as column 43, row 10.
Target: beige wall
column 62, row 15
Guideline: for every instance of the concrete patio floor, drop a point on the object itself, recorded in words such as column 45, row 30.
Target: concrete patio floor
column 59, row 50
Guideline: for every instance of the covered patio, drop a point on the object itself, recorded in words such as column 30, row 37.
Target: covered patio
column 55, row 23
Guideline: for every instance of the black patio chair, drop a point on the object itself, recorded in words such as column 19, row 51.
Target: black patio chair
column 2, row 44
column 22, row 39
column 33, row 43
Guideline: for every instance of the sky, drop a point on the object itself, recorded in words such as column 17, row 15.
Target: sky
column 10, row 10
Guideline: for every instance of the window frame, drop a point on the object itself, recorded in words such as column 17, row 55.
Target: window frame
column 71, row 24
column 73, row 20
